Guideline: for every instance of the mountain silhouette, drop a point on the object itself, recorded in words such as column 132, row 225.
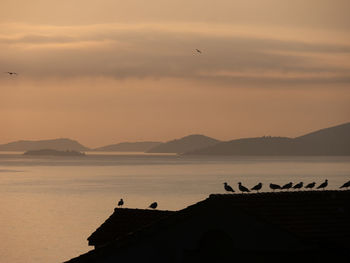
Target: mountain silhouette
column 62, row 144
column 128, row 147
column 330, row 141
column 185, row 144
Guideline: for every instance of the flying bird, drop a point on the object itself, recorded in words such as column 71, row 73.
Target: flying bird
column 287, row 186
column 346, row 185
column 257, row 187
column 153, row 205
column 310, row 185
column 242, row 188
column 298, row 186
column 323, row 185
column 228, row 188
column 275, row 186
column 11, row 73
column 200, row 52
column 121, row 202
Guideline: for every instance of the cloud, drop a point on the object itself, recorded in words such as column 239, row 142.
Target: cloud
column 122, row 51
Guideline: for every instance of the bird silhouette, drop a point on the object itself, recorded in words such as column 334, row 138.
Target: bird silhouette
column 228, row 188
column 287, row 186
column 257, row 187
column 121, row 202
column 298, row 186
column 275, row 186
column 310, row 185
column 11, row 73
column 153, row 205
column 242, row 188
column 323, row 185
column 200, row 52
column 346, row 185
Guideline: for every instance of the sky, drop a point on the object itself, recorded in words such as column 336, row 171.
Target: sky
column 108, row 71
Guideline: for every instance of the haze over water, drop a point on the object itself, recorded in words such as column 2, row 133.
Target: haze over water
column 49, row 206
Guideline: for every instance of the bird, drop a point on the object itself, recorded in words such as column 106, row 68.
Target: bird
column 323, row 185
column 11, row 73
column 228, row 188
column 346, row 185
column 200, row 52
column 153, row 205
column 242, row 188
column 310, row 185
column 121, row 202
column 257, row 187
column 298, row 186
column 287, row 186
column 275, row 186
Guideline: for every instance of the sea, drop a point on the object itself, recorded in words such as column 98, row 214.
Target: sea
column 50, row 205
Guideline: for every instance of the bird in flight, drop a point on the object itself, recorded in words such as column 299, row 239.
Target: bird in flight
column 200, row 52
column 11, row 73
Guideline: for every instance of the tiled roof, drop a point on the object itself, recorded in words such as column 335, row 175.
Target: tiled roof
column 124, row 221
column 320, row 218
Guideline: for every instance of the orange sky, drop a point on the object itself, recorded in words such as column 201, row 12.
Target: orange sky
column 107, row 71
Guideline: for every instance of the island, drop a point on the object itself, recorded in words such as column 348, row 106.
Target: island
column 51, row 152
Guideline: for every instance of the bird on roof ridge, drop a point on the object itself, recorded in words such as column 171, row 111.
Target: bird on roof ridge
column 242, row 188
column 153, row 205
column 228, row 188
column 298, row 186
column 310, row 185
column 345, row 185
column 287, row 186
column 121, row 202
column 274, row 186
column 257, row 187
column 323, row 185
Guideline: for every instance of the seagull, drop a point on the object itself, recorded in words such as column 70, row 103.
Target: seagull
column 323, row 185
column 310, row 185
column 228, row 188
column 346, row 185
column 11, row 73
column 121, row 202
column 257, row 187
column 200, row 52
column 298, row 186
column 287, row 186
column 153, row 205
column 275, row 186
column 242, row 188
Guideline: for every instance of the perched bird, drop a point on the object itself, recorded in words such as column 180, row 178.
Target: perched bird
column 200, row 52
column 257, row 187
column 287, row 186
column 275, row 186
column 242, row 188
column 153, row 205
column 323, row 185
column 121, row 202
column 298, row 186
column 228, row 188
column 346, row 185
column 11, row 73
column 310, row 185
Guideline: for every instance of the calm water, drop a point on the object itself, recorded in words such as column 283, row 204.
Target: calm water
column 49, row 206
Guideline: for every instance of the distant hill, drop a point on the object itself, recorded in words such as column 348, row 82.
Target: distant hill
column 62, row 144
column 129, row 147
column 50, row 152
column 330, row 141
column 185, row 144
